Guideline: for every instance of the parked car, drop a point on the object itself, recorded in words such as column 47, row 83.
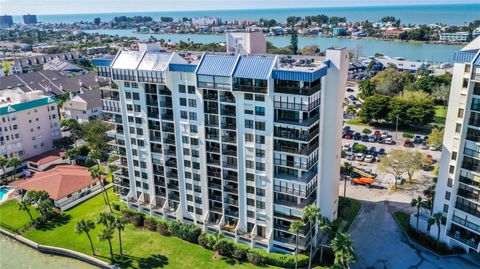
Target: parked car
column 417, row 140
column 388, row 141
column 381, row 152
column 364, row 138
column 369, row 158
column 424, row 145
column 346, row 147
column 350, row 90
column 347, row 136
column 350, row 156
column 367, row 181
column 377, row 133
column 65, row 128
column 359, row 157
column 357, row 136
column 408, row 144
column 380, row 140
column 372, row 151
column 372, row 139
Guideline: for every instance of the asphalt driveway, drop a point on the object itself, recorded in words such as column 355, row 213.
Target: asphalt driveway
column 380, row 243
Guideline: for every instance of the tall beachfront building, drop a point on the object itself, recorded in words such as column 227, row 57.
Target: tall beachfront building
column 234, row 143
column 458, row 187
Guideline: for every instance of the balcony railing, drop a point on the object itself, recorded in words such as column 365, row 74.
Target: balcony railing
column 295, row 106
column 304, row 150
column 294, row 164
column 305, row 178
column 296, row 135
column 298, row 90
column 299, row 122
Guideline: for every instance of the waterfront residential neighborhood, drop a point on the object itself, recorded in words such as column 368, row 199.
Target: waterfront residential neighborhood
column 239, row 138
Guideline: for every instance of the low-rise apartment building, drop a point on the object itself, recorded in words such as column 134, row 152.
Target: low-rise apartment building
column 232, row 143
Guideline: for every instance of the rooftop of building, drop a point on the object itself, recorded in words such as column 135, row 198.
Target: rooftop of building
column 12, row 101
column 59, row 181
column 43, row 59
column 46, row 157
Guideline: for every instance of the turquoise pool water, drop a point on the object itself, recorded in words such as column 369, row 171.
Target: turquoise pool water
column 3, row 191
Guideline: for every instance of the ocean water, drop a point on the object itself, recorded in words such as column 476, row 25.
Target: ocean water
column 455, row 14
column 436, row 53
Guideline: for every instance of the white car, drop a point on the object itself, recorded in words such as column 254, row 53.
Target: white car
column 369, row 158
column 359, row 157
column 350, row 156
column 388, row 141
column 346, row 147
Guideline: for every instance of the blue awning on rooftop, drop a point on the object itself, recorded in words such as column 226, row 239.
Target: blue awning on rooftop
column 256, row 67
column 463, row 56
column 187, row 68
column 217, row 65
column 300, row 75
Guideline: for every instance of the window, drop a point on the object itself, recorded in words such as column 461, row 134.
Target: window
column 185, row 139
column 260, row 153
column 467, row 68
column 458, row 128
column 465, row 83
column 260, row 139
column 260, row 125
column 259, row 98
column 259, row 111
column 249, row 137
column 451, row 169
column 260, row 192
column 183, row 115
column 250, row 202
column 191, row 89
column 454, row 155
column 183, row 101
column 248, row 111
column 249, row 164
column 250, row 189
column 460, row 113
column 186, row 152
column 250, row 177
column 447, row 196
column 248, row 96
column 249, row 124
column 194, row 141
column 181, row 88
column 136, row 96
column 187, row 163
column 192, row 115
column 260, row 166
column 192, row 103
column 449, row 182
column 260, row 204
column 445, row 208
column 195, row 153
column 193, row 129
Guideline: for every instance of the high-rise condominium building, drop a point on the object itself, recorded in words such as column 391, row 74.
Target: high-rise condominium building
column 234, row 143
column 30, row 19
column 458, row 187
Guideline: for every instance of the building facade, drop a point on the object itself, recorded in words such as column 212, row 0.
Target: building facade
column 234, row 143
column 30, row 19
column 458, row 187
column 456, row 37
column 29, row 123
column 6, row 20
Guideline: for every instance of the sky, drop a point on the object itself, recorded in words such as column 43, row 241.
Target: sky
column 18, row 7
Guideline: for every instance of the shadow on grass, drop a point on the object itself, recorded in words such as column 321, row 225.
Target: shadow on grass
column 153, row 261
column 55, row 222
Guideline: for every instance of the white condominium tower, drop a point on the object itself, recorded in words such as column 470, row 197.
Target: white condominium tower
column 458, row 187
column 228, row 142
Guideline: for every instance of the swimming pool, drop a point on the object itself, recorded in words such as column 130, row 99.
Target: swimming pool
column 3, row 192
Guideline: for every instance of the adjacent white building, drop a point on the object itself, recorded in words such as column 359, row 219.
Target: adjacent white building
column 458, row 187
column 234, row 143
column 246, row 43
column 456, row 37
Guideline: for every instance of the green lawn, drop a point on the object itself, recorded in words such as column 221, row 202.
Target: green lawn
column 440, row 116
column 12, row 219
column 403, row 218
column 348, row 209
column 144, row 249
column 356, row 121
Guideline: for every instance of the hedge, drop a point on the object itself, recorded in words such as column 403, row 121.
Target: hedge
column 226, row 247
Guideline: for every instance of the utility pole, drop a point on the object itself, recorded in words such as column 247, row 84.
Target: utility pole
column 396, row 129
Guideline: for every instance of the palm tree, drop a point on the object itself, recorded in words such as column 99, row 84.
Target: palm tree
column 24, row 205
column 107, row 235
column 3, row 165
column 71, row 154
column 343, row 250
column 95, row 156
column 417, row 203
column 15, row 162
column 106, row 219
column 347, row 171
column 216, row 237
column 85, row 226
column 296, row 227
column 324, row 226
column 437, row 219
column 95, row 173
column 310, row 214
column 120, row 223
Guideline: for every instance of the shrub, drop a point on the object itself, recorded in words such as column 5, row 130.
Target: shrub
column 162, row 228
column 286, row 260
column 256, row 257
column 203, row 240
column 239, row 252
column 117, row 205
column 137, row 219
column 128, row 213
column 408, row 135
column 150, row 224
column 224, row 247
column 185, row 231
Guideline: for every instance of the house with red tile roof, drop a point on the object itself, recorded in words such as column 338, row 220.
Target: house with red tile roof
column 64, row 183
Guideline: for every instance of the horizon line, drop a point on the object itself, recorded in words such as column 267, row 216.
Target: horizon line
column 243, row 9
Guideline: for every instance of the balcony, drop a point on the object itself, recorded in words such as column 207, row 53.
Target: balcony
column 230, row 188
column 211, row 85
column 214, row 197
column 295, row 191
column 111, row 109
column 298, row 90
column 211, row 148
column 167, row 116
column 229, row 125
column 299, row 122
column 295, row 106
column 469, row 181
column 294, row 164
column 470, row 210
column 211, row 110
column 172, row 186
column 169, row 140
column 171, row 163
column 299, row 205
column 464, row 236
column 215, row 186
column 303, row 150
column 229, row 111
column 211, row 173
column 168, row 128
column 294, row 134
column 305, row 178
column 229, row 138
column 468, row 194
column 210, row 96
column 227, row 98
column 250, row 88
column 230, row 177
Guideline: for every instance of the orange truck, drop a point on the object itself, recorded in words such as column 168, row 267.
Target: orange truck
column 367, row 181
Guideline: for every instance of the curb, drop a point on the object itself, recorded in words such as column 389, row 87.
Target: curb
column 58, row 251
column 418, row 246
column 356, row 217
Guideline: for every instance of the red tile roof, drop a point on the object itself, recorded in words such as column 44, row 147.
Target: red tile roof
column 59, row 181
column 46, row 157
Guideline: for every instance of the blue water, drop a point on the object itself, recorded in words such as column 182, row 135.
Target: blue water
column 3, row 191
column 419, row 14
column 412, row 50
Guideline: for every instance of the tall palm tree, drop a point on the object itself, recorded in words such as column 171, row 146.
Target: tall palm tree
column 106, row 219
column 25, row 205
column 437, row 219
column 324, row 226
column 71, row 154
column 85, row 226
column 310, row 214
column 3, row 165
column 119, row 224
column 417, row 203
column 343, row 250
column 15, row 162
column 107, row 235
column 296, row 227
column 96, row 173
column 95, row 155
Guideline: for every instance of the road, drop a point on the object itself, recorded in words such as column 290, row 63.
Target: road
column 380, row 243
